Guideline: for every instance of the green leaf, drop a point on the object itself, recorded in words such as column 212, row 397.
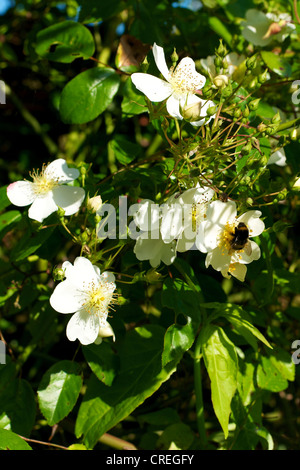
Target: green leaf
column 180, row 297
column 276, row 63
column 77, row 447
column 141, row 374
column 249, row 430
column 11, row 441
column 92, row 11
column 240, row 320
column 177, row 436
column 102, row 360
column 8, row 220
column 219, row 27
column 124, row 150
column 88, row 95
column 178, row 339
column 4, row 201
column 164, row 417
column 133, row 102
column 59, row 390
column 221, row 363
column 17, row 406
column 269, row 376
column 65, row 42
column 30, row 243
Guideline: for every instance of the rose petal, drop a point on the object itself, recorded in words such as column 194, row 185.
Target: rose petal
column 21, row 193
column 66, row 298
column 219, row 259
column 68, row 198
column 159, row 57
column 172, row 222
column 59, row 170
column 153, row 87
column 42, row 207
column 173, row 107
column 84, row 327
column 221, row 212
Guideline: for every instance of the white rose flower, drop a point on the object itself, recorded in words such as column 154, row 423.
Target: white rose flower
column 47, row 192
column 261, row 29
column 226, row 237
column 179, row 86
column 87, row 294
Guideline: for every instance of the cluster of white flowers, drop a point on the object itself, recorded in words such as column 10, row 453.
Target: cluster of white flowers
column 85, row 291
column 191, row 220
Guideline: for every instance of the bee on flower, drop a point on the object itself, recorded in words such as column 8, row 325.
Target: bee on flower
column 226, row 238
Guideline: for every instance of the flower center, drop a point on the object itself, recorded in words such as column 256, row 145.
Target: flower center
column 43, row 183
column 184, row 78
column 98, row 298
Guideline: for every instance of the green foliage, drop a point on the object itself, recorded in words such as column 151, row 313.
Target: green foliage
column 196, row 355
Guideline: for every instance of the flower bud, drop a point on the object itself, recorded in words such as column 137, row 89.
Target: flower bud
column 191, row 112
column 211, row 110
column 263, row 160
column 174, row 57
column 222, row 50
column 237, row 113
column 94, row 204
column 253, row 84
column 152, row 276
column 295, row 134
column 104, row 332
column 144, row 65
column 246, row 112
column 251, row 62
column 58, row 274
column 221, row 81
column 60, row 212
column 218, row 62
column 263, row 77
column 296, row 185
column 276, row 118
column 227, row 90
column 246, row 149
column 253, row 105
column 261, row 127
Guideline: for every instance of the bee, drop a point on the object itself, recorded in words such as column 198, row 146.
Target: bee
column 240, row 239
